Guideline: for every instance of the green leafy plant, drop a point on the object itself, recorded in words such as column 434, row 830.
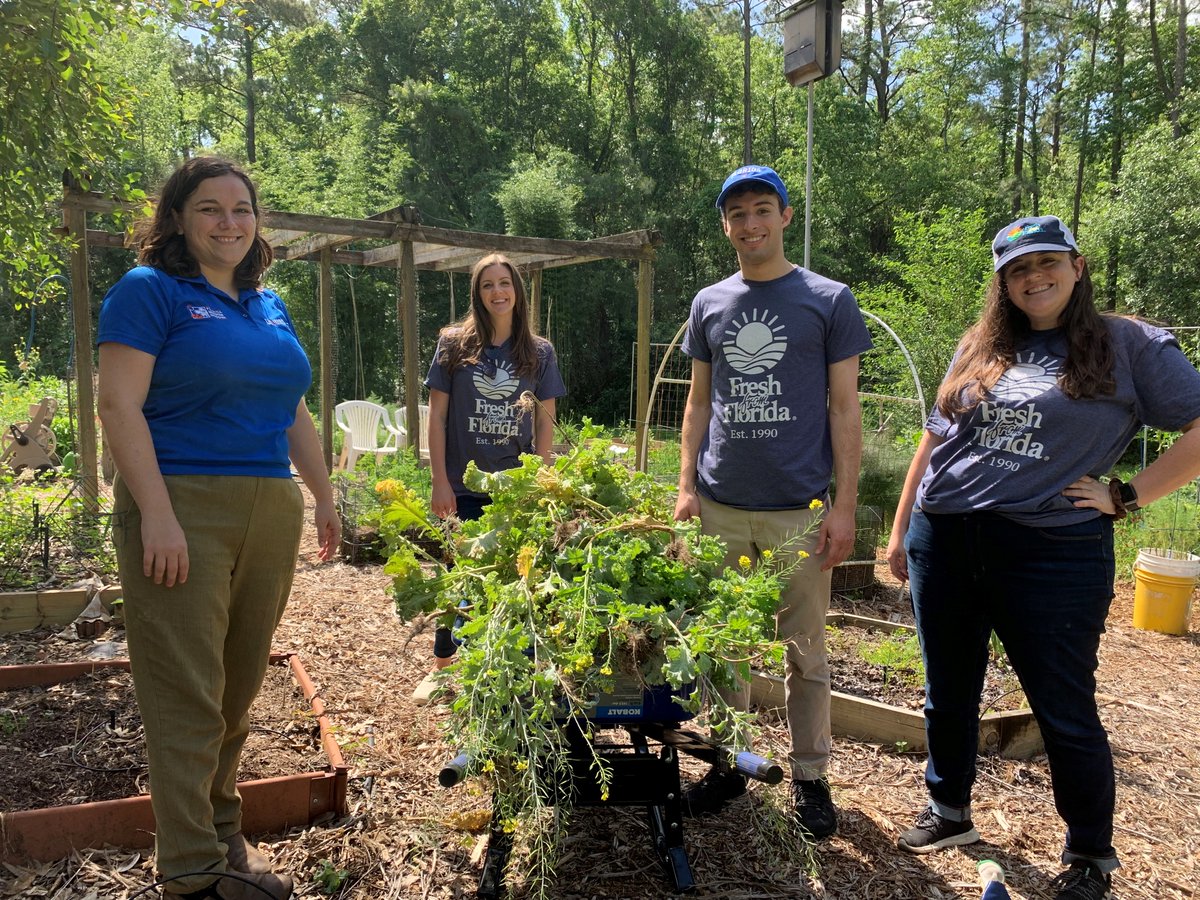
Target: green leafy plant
column 329, row 878
column 574, row 581
column 898, row 657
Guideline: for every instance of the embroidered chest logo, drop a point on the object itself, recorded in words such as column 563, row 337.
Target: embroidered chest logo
column 205, row 312
column 278, row 323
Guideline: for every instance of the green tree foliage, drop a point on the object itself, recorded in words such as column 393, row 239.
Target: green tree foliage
column 581, row 119
column 58, row 116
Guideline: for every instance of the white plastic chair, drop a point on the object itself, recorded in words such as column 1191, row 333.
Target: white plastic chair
column 361, row 420
column 423, row 433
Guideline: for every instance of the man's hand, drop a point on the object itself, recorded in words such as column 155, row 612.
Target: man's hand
column 836, row 537
column 687, row 506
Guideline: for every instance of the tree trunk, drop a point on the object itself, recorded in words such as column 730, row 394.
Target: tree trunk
column 1022, row 103
column 251, row 98
column 1089, row 96
column 1120, row 24
column 864, row 63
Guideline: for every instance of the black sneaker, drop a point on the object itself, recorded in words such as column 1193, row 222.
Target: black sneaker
column 932, row 832
column 712, row 792
column 1083, row 881
column 814, row 808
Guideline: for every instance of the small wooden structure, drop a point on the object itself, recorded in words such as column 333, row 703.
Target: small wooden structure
column 408, row 246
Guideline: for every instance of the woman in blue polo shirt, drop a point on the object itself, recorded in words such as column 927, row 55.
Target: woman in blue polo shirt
column 202, row 386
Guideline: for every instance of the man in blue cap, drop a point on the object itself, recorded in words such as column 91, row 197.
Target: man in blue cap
column 772, row 412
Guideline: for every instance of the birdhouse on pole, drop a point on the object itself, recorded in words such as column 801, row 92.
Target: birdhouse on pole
column 812, row 40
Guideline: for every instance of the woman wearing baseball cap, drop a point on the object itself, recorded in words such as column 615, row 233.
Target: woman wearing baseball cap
column 1006, row 524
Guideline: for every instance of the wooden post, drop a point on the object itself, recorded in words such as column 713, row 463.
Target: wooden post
column 407, row 314
column 327, row 386
column 81, row 312
column 645, row 310
column 535, row 299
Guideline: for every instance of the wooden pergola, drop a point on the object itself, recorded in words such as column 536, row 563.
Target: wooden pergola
column 408, row 246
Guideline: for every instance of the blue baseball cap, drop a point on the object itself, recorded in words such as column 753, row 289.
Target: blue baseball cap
column 764, row 175
column 1033, row 234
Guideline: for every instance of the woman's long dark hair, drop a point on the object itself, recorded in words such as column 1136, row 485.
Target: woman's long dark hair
column 986, row 350
column 463, row 342
column 163, row 247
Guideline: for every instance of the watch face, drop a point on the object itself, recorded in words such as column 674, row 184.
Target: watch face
column 1128, row 495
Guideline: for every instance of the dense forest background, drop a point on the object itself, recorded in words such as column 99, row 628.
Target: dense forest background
column 581, row 118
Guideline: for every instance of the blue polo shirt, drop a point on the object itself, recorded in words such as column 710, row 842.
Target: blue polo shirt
column 227, row 376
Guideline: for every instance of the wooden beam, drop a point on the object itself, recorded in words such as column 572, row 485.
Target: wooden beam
column 645, row 310
column 407, row 314
column 327, row 386
column 81, row 313
column 535, row 299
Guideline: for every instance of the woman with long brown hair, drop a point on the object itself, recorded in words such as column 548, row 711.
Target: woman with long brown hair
column 202, row 384
column 1005, row 524
column 482, row 366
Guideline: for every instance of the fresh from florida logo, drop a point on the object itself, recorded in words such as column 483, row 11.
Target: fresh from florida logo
column 754, row 345
column 1019, row 231
column 496, row 384
column 495, row 413
column 1010, row 423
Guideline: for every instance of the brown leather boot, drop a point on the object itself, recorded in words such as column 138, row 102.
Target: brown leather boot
column 243, row 856
column 241, row 886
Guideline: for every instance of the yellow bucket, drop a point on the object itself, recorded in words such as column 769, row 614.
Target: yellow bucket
column 1163, row 585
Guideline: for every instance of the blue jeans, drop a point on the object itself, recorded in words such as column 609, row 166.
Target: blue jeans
column 1046, row 593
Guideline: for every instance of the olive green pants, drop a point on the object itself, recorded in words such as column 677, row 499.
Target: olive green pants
column 199, row 651
column 800, row 621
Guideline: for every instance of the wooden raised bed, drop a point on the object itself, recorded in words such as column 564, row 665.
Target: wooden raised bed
column 1013, row 734
column 270, row 805
column 24, row 610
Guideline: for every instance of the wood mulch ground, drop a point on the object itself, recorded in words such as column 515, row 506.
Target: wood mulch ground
column 82, row 740
column 406, row 837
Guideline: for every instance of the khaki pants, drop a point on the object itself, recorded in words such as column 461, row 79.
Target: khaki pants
column 800, row 620
column 199, row 651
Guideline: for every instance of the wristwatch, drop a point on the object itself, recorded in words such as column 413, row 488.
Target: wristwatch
column 1124, row 496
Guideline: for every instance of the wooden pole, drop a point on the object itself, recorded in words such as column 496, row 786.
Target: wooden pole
column 327, row 386
column 407, row 314
column 81, row 312
column 645, row 312
column 535, row 299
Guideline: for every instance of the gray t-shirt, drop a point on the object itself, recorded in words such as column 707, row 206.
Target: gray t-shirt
column 483, row 422
column 1026, row 440
column 770, row 344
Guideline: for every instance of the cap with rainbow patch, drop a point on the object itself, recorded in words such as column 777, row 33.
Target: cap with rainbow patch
column 1031, row 235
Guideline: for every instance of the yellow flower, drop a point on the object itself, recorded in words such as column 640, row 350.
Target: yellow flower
column 604, row 794
column 489, row 766
column 606, row 670
column 522, row 765
column 525, row 557
column 803, row 554
column 744, row 562
column 816, row 504
column 767, row 554
column 509, row 826
column 388, row 489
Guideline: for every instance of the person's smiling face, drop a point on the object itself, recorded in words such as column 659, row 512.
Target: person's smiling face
column 1040, row 285
column 497, row 291
column 218, row 222
column 754, row 224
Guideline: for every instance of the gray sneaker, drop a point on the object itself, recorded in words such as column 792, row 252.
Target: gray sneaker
column 932, row 832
